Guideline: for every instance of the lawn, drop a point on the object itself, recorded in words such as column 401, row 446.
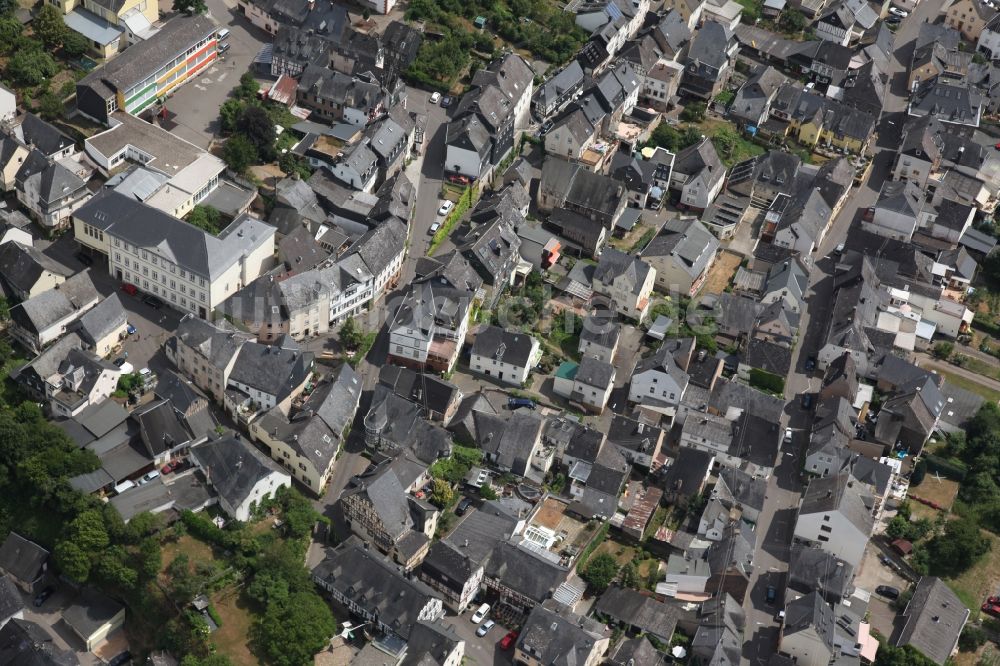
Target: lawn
column 969, row 385
column 981, row 367
column 942, row 493
column 981, row 580
column 621, row 553
column 197, row 551
column 233, row 637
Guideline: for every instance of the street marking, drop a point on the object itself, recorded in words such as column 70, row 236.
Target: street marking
column 206, row 80
column 200, row 87
column 222, row 77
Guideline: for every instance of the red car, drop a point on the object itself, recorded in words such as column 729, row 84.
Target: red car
column 507, row 642
column 170, row 467
column 991, row 609
column 130, row 289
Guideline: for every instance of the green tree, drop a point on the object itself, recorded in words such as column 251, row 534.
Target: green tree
column 290, row 634
column 890, row 655
column 11, row 32
column 487, row 492
column 956, row 549
column 205, row 218
column 600, row 571
column 792, row 21
column 30, row 66
column 299, row 514
column 229, row 112
column 72, row 561
column 943, row 350
column 442, row 494
column 630, row 576
column 726, row 141
column 111, row 568
column 5, row 315
column 190, row 7
column 351, row 334
column 238, row 153
column 48, row 26
column 256, row 125
column 50, row 106
column 694, row 112
column 150, row 558
column 919, row 472
column 74, row 44
column 248, row 87
column 971, row 638
column 88, row 532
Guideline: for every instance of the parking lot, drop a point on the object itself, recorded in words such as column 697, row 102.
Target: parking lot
column 480, row 650
column 194, row 108
column 153, row 327
column 872, row 574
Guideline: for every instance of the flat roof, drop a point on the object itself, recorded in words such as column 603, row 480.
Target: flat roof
column 92, row 26
column 170, row 154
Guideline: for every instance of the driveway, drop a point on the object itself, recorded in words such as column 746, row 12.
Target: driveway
column 196, row 104
column 49, row 617
column 482, row 651
column 870, row 575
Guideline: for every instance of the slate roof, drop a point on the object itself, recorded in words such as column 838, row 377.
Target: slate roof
column 558, row 636
column 24, row 643
column 36, row 133
column 688, row 471
column 21, row 266
column 600, row 330
column 40, row 312
column 948, row 100
column 525, row 572
column 482, row 532
column 933, row 620
column 10, row 598
column 615, row 264
column 21, row 558
column 430, row 644
column 838, row 492
column 637, row 610
column 186, row 245
column 705, row 46
column 810, row 612
column 596, row 373
column 812, row 568
column 447, row 565
column 271, row 369
column 217, row 342
column 375, row 584
column 688, row 242
column 233, row 467
column 102, row 319
column 768, row 356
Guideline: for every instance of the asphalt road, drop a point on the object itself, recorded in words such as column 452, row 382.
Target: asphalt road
column 774, row 532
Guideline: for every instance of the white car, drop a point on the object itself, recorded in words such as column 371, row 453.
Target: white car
column 485, row 627
column 901, row 13
column 481, row 614
column 434, row 228
column 446, row 207
column 435, row 97
column 788, row 435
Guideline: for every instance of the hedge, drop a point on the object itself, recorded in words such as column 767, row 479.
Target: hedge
column 766, row 381
column 599, row 537
column 214, row 614
column 951, row 469
column 203, row 528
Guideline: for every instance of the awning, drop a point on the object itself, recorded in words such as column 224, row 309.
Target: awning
column 92, row 26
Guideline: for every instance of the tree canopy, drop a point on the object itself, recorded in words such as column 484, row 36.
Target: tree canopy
column 600, row 571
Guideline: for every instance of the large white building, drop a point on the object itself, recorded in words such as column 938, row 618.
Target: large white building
column 834, row 516
column 189, row 174
column 188, row 268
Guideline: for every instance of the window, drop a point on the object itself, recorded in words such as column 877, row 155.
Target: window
column 823, row 538
column 825, row 528
column 302, row 466
column 826, row 518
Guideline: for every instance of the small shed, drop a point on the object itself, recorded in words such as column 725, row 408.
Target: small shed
column 480, row 22
column 902, row 546
column 659, row 329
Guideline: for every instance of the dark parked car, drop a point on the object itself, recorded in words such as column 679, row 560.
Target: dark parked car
column 807, row 401
column 43, row 595
column 771, row 595
column 446, row 102
column 153, row 302
column 810, row 364
column 463, row 506
column 887, row 591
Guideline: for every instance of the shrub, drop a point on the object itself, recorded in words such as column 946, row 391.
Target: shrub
column 214, row 614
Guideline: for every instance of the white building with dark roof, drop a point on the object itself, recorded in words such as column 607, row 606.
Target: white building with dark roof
column 240, row 475
column 506, row 355
column 186, row 267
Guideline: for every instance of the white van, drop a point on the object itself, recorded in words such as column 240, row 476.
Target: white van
column 148, row 477
column 123, row 486
column 222, row 34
